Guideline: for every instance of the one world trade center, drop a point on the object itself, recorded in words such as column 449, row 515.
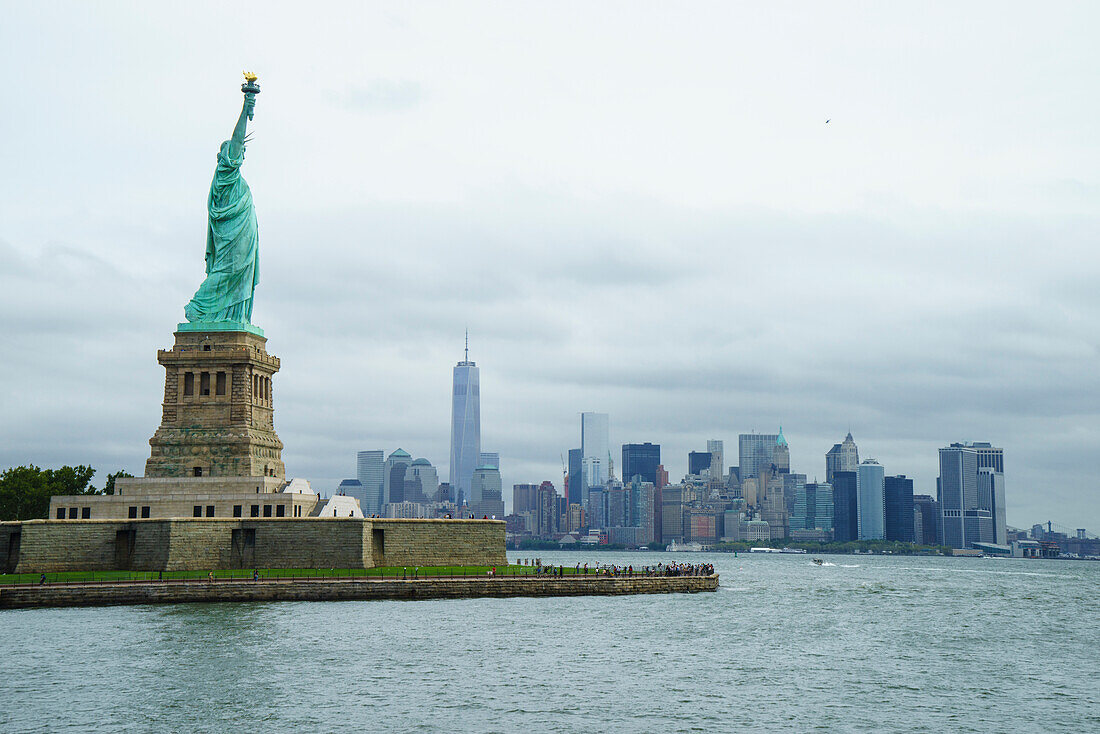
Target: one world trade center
column 465, row 427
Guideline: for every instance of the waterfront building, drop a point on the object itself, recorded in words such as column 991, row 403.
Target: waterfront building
column 870, row 500
column 845, row 512
column 813, row 508
column 755, row 452
column 843, row 456
column 991, row 489
column 662, row 477
column 898, row 508
column 465, row 427
column 672, row 513
column 370, row 471
column 641, row 459
column 594, row 451
column 926, row 506
column 968, row 493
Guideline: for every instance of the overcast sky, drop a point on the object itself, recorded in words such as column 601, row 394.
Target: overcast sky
column 635, row 208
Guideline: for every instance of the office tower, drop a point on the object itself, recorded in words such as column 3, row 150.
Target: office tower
column 489, row 458
column 781, row 453
column 547, row 517
column 698, row 461
column 641, row 459
column 592, row 474
column 717, row 452
column 393, row 477
column 465, row 427
column 813, row 507
column 792, row 483
column 993, row 482
column 485, row 492
column 672, row 513
column 841, row 457
column 352, row 488
column 444, row 494
column 595, row 451
column 524, row 498
column 870, row 502
column 929, row 513
column 421, row 481
column 573, row 490
column 989, row 456
column 662, row 477
column 755, row 452
column 898, row 508
column 845, row 512
column 369, row 470
column 970, row 481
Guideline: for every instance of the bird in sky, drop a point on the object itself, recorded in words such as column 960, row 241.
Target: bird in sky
column 827, row 121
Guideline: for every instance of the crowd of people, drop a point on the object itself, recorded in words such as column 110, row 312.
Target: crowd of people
column 661, row 569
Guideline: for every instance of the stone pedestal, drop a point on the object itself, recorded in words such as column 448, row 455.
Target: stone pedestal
column 218, row 408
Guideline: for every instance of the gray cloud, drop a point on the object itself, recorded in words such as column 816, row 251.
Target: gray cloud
column 669, row 240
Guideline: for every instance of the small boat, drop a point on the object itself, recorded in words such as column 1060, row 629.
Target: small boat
column 818, row 561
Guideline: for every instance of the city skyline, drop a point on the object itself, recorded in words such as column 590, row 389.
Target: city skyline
column 697, row 268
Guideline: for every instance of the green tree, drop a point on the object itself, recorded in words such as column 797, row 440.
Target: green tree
column 25, row 491
column 109, row 487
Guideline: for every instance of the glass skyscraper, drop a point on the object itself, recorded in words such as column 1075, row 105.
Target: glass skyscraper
column 845, row 514
column 755, row 453
column 465, row 427
column 870, row 500
column 369, row 471
column 641, row 459
column 899, row 508
column 595, row 451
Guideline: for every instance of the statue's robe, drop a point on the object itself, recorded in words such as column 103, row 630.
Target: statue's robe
column 232, row 248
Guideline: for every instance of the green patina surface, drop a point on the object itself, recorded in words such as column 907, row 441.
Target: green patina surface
column 219, row 326
column 232, row 239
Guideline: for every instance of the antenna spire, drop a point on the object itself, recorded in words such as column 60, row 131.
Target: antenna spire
column 467, row 345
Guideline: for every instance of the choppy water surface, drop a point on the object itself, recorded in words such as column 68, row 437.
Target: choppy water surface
column 866, row 644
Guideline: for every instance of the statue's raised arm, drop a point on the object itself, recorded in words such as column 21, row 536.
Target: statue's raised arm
column 232, row 238
column 250, row 89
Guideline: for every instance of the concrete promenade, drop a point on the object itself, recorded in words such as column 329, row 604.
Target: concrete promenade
column 342, row 589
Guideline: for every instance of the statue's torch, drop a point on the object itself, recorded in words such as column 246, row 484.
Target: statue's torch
column 250, row 87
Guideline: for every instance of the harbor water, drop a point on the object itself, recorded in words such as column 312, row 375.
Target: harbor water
column 857, row 644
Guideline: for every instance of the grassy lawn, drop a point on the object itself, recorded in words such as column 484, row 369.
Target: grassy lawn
column 269, row 573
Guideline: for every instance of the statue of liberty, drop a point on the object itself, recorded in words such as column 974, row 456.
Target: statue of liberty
column 232, row 239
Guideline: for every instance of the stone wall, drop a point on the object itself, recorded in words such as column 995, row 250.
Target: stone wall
column 346, row 590
column 201, row 544
column 437, row 543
